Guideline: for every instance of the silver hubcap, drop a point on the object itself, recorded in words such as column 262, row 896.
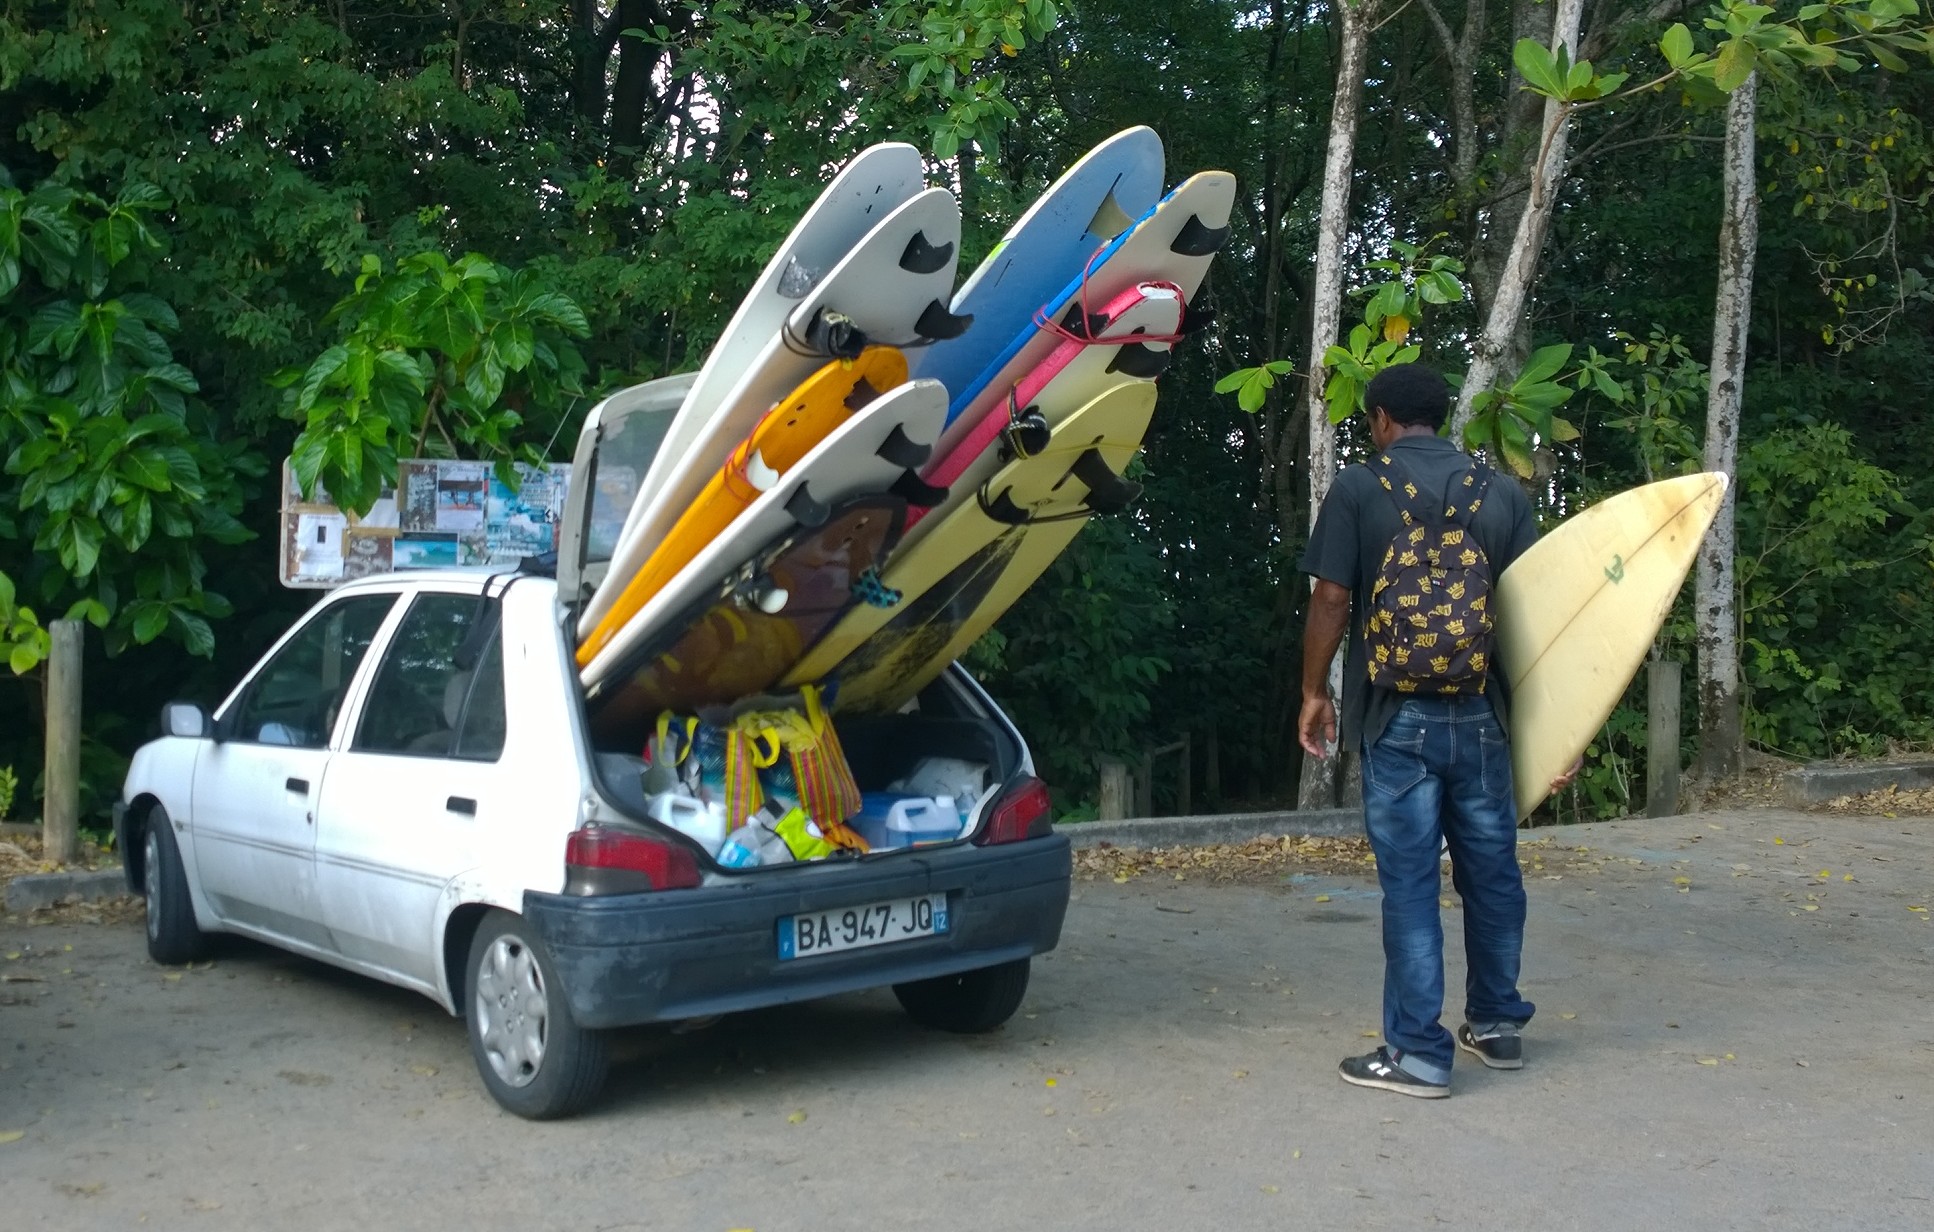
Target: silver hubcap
column 512, row 1011
column 151, row 879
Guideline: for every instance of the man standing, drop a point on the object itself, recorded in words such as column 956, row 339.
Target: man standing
column 1411, row 543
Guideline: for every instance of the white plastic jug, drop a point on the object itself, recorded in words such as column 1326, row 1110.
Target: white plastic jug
column 690, row 816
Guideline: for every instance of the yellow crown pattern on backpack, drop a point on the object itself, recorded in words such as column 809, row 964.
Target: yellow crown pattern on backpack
column 1430, row 626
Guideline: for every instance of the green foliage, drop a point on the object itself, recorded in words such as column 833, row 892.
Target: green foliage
column 114, row 479
column 1508, row 421
column 1413, row 279
column 1553, row 75
column 468, row 351
column 9, row 784
column 1833, row 568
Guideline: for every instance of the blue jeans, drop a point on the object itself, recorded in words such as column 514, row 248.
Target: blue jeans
column 1442, row 768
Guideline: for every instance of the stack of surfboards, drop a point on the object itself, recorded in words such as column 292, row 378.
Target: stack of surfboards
column 872, row 466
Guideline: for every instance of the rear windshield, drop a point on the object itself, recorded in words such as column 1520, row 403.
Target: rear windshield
column 624, row 455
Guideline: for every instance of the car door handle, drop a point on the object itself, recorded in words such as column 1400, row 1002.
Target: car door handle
column 461, row 804
column 298, row 786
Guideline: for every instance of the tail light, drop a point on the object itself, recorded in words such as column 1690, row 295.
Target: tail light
column 602, row 860
column 1023, row 811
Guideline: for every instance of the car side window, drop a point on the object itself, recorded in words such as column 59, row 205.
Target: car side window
column 481, row 737
column 422, row 699
column 294, row 699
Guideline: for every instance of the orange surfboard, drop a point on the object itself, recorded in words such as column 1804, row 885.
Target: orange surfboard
column 822, row 402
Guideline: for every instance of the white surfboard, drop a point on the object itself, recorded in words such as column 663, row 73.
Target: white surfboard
column 873, row 183
column 1577, row 613
column 899, row 274
column 871, row 452
column 1094, row 201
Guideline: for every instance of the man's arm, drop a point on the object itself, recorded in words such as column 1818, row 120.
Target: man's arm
column 1329, row 618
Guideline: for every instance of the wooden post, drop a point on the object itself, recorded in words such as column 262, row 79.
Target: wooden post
column 1114, row 791
column 1145, row 787
column 1188, row 768
column 1212, row 768
column 60, row 833
column 1662, row 738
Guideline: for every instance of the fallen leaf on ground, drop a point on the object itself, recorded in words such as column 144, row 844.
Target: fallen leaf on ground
column 12, row 1135
column 1324, row 898
column 1270, row 1189
column 797, row 1118
column 1567, row 1017
column 1708, row 1060
column 428, row 1071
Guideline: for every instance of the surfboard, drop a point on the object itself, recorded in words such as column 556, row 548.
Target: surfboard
column 891, row 289
column 1174, row 243
column 1577, row 613
column 873, row 183
column 871, row 649
column 1094, row 201
column 741, row 638
column 876, row 450
column 775, row 445
column 1130, row 338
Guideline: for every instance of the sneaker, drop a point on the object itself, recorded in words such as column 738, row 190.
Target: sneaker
column 1498, row 1047
column 1376, row 1069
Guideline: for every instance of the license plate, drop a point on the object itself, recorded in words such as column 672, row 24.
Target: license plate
column 853, row 928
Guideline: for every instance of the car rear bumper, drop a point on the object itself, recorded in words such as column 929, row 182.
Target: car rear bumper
column 670, row 954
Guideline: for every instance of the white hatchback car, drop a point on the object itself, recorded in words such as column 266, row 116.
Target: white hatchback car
column 406, row 786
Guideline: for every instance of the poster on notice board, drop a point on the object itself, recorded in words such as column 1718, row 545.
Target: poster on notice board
column 439, row 514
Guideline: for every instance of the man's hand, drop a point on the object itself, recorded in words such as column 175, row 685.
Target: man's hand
column 1568, row 777
column 1317, row 728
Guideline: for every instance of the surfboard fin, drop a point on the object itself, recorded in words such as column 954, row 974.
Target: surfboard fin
column 863, row 393
column 806, row 509
column 833, row 334
column 924, row 257
column 1003, row 509
column 1085, row 325
column 1198, row 240
column 903, row 451
column 937, row 324
column 1138, row 359
column 1107, row 492
column 1110, row 219
column 916, row 491
column 1194, row 318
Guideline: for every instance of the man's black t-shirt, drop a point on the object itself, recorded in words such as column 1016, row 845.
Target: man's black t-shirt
column 1353, row 530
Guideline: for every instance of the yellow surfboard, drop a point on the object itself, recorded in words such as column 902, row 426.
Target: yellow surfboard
column 1577, row 613
column 881, row 657
column 786, row 434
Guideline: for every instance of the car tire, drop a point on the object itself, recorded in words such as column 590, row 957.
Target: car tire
column 533, row 1057
column 173, row 936
column 970, row 1003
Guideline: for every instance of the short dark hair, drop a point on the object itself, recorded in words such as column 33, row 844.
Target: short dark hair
column 1409, row 394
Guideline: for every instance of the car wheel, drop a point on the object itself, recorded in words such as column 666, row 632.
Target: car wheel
column 534, row 1059
column 970, row 1003
column 173, row 936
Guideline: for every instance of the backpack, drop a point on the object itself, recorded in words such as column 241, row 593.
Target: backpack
column 1430, row 625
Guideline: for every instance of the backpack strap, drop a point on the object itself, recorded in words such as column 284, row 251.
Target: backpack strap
column 1466, row 495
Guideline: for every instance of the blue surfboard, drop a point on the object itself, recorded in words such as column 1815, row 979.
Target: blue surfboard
column 1092, row 203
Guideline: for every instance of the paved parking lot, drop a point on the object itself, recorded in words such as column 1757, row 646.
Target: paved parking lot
column 1726, row 1039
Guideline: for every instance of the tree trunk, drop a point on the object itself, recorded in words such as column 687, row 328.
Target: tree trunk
column 1514, row 281
column 1721, row 738
column 1318, row 787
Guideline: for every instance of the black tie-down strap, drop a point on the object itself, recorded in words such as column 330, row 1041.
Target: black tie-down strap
column 830, row 335
column 1108, row 493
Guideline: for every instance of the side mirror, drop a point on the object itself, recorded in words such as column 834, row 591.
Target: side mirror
column 185, row 720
